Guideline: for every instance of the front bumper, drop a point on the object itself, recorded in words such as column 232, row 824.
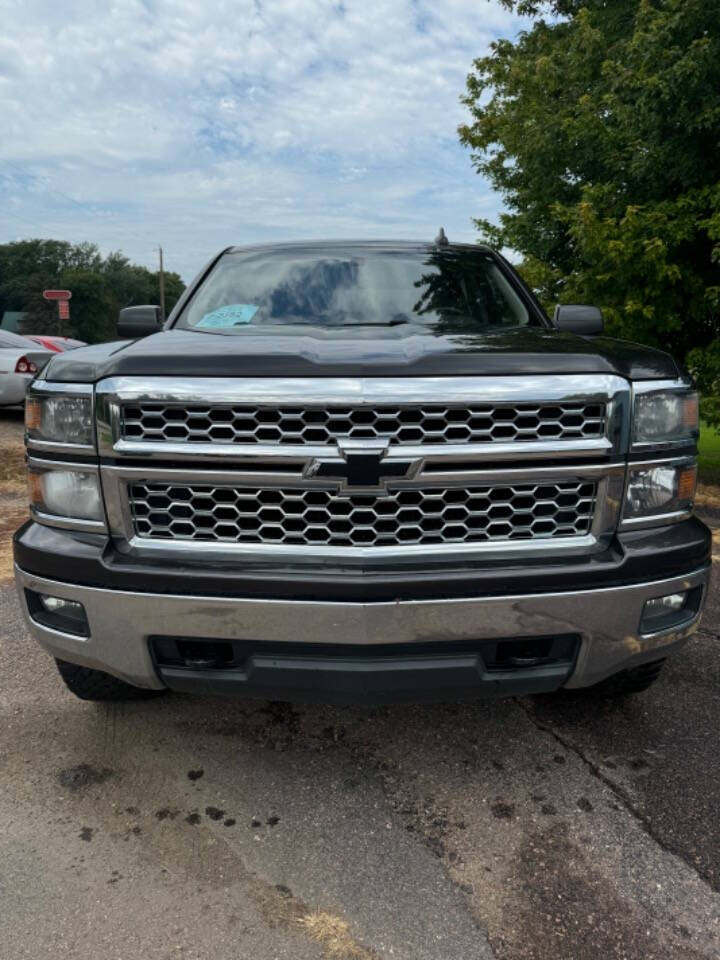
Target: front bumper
column 123, row 623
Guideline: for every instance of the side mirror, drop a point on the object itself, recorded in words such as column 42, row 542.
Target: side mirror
column 135, row 322
column 579, row 318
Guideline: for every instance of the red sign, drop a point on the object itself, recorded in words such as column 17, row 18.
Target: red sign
column 63, row 310
column 57, row 294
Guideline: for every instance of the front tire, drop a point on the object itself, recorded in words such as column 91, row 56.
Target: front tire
column 628, row 682
column 100, row 687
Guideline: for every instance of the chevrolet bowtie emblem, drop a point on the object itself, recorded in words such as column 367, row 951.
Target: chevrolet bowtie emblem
column 362, row 466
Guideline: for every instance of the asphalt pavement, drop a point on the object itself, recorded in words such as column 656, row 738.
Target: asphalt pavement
column 551, row 828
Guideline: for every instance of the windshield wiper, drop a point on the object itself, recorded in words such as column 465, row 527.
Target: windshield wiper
column 395, row 322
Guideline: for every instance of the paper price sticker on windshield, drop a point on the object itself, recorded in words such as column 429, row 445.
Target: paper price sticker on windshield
column 232, row 315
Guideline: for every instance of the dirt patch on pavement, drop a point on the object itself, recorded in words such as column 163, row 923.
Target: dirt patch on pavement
column 13, row 488
column 567, row 910
column 10, row 521
column 708, row 495
column 12, row 469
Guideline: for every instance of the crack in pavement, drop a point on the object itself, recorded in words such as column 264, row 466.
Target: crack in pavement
column 621, row 794
column 541, row 879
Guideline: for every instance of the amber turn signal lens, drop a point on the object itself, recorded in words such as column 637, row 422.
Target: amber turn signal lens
column 35, row 490
column 686, row 483
column 691, row 412
column 33, row 414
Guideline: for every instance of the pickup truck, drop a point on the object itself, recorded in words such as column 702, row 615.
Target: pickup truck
column 369, row 470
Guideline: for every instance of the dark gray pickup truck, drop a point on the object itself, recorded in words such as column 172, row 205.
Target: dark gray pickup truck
column 356, row 469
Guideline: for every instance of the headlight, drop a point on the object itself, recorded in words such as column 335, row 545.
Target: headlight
column 658, row 490
column 74, row 494
column 665, row 416
column 59, row 418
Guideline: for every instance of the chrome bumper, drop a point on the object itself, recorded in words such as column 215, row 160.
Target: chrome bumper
column 607, row 621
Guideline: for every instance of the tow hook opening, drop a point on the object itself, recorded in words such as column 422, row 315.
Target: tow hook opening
column 204, row 654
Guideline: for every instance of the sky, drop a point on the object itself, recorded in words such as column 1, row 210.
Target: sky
column 202, row 123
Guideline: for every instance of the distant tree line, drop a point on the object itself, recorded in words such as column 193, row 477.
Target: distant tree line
column 100, row 287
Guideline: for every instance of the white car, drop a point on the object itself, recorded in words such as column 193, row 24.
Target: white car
column 20, row 360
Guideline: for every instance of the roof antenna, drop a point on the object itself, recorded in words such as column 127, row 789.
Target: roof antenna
column 441, row 239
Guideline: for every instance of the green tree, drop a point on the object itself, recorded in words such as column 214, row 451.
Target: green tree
column 30, row 266
column 704, row 365
column 133, row 285
column 93, row 308
column 100, row 286
column 600, row 127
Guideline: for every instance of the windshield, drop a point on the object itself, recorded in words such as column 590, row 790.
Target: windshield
column 446, row 291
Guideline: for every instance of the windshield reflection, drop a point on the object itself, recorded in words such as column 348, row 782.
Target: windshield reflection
column 443, row 291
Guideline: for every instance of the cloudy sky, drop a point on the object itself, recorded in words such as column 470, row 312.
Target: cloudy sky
column 200, row 123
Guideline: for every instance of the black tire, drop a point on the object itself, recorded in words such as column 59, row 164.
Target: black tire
column 627, row 682
column 95, row 685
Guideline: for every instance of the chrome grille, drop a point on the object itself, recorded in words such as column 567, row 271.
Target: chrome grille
column 430, row 423
column 402, row 517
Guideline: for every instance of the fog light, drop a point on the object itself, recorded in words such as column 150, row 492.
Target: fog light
column 68, row 616
column 673, row 610
column 57, row 604
column 660, row 606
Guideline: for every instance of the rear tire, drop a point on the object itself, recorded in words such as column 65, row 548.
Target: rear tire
column 627, row 682
column 95, row 685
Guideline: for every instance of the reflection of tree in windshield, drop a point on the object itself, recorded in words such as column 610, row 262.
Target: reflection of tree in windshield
column 308, row 294
column 416, row 290
column 462, row 298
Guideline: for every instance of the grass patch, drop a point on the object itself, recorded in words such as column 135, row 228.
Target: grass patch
column 12, row 468
column 709, row 455
column 333, row 933
column 13, row 491
column 9, row 523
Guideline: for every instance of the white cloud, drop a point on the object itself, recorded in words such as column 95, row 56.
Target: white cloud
column 203, row 124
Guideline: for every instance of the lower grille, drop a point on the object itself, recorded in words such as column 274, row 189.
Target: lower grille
column 511, row 653
column 402, row 517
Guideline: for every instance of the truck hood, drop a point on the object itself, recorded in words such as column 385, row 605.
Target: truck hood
column 391, row 351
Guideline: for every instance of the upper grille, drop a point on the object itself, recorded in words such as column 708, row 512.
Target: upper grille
column 429, row 423
column 316, row 517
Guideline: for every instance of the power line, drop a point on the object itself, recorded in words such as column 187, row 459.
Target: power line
column 60, row 193
column 18, row 216
column 49, row 187
column 162, row 286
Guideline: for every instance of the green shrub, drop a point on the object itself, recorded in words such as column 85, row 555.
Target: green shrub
column 704, row 365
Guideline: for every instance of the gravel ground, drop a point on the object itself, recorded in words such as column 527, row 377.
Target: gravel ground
column 545, row 828
column 13, row 495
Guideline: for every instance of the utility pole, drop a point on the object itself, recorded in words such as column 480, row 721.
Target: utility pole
column 162, row 287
